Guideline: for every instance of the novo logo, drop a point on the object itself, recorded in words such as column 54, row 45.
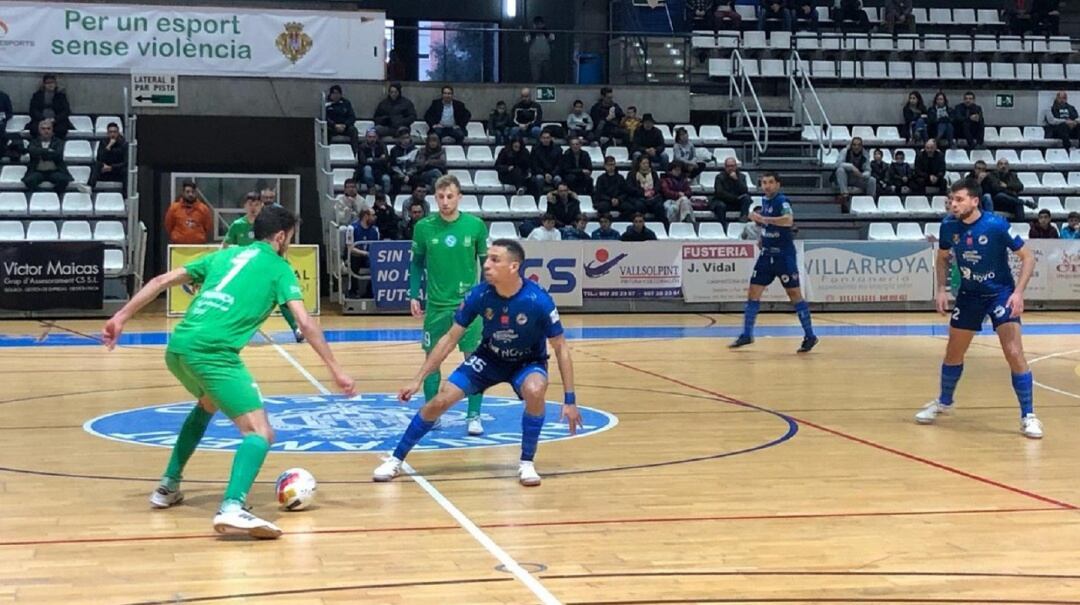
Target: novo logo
column 604, row 263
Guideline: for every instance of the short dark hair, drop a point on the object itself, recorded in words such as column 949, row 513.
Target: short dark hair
column 350, row 181
column 273, row 219
column 47, row 77
column 445, row 88
column 517, row 253
column 971, row 186
column 604, row 90
column 379, row 195
column 771, row 173
column 415, row 203
column 1073, row 215
column 609, row 158
column 112, row 125
column 969, row 93
column 859, row 139
column 187, row 184
column 1044, row 212
column 547, row 217
column 577, row 102
column 394, row 85
column 604, row 216
column 638, row 215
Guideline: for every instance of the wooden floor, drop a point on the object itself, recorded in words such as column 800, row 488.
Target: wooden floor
column 837, row 495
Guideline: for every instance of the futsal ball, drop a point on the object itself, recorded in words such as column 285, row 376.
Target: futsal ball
column 295, row 489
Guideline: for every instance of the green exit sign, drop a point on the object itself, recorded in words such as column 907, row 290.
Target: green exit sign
column 545, row 94
column 1003, row 100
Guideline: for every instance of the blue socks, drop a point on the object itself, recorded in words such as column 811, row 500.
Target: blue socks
column 1022, row 384
column 802, row 309
column 950, row 375
column 530, row 434
column 750, row 316
column 416, row 431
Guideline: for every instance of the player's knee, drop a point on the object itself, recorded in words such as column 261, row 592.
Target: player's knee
column 533, row 391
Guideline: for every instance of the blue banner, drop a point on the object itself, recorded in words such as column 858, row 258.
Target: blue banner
column 390, row 273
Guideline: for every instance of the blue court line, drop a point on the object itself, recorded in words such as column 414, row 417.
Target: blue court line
column 62, row 339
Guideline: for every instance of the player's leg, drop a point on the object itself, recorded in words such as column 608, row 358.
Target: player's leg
column 168, row 491
column 469, row 342
column 966, row 321
column 287, row 315
column 531, row 385
column 759, row 280
column 1012, row 346
column 423, row 422
column 436, row 324
column 790, row 279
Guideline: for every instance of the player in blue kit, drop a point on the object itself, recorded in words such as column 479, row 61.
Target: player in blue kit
column 980, row 242
column 518, row 317
column 778, row 260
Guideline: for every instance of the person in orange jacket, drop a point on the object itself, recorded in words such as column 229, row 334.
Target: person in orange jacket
column 189, row 220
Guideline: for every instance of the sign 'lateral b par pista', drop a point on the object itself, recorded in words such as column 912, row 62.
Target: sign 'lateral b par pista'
column 154, row 90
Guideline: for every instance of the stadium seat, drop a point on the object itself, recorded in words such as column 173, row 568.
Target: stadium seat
column 1010, row 134
column 82, row 127
column 44, row 203
column 882, row 42
column 340, row 175
column 980, row 71
column 1025, row 72
column 881, row 232
column 1021, row 229
column 711, row 135
column 874, row 70
column 114, row 260
column 101, row 125
column 475, row 134
column 1054, row 182
column 591, row 226
column 80, row 175
column 586, row 204
column 840, row 135
column 957, row 158
column 1032, row 157
column 982, row 154
column 1074, row 179
column 754, row 39
column 11, row 177
column 1059, row 158
column 77, row 203
column 399, row 202
column 1072, row 72
column 950, row 70
column 829, row 157
column 78, row 152
column 705, row 231
column 723, row 153
column 1052, row 72
column 1029, row 180
column 773, row 68
column 110, row 203
column 11, row 231
column 934, row 43
column 888, row 135
column 109, row 231
column 503, row 230
column 596, row 155
column 939, row 204
column 811, row 133
column 523, row 205
column 17, row 124
column 720, row 67
column 1072, row 204
column 12, row 203
column 682, row 231
column 780, row 40
column 932, row 230
column 985, row 44
column 41, row 231
column 669, row 138
column 926, row 71
column 419, row 129
column 1010, row 44
column 1008, row 155
column 963, row 16
column 487, row 181
column 455, row 156
column 890, row 204
column 866, row 133
column 917, row 204
column 938, row 15
column 495, row 205
column 621, row 155
column 909, row 231
column 620, row 226
column 735, row 230
column 1053, row 204
column 658, row 228
column 469, row 204
column 362, row 126
column 807, row 41
column 900, row 70
column 863, row 204
column 1034, row 134
column 823, row 70
column 464, row 176
column 76, row 231
column 341, row 154
column 988, row 17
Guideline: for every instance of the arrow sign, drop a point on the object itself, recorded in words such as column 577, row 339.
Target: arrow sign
column 154, row 90
column 157, row 99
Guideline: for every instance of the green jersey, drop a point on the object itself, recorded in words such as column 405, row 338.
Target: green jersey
column 448, row 252
column 240, row 286
column 241, row 232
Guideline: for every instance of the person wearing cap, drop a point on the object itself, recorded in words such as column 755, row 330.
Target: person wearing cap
column 340, row 117
column 374, row 163
column 393, row 112
column 649, row 141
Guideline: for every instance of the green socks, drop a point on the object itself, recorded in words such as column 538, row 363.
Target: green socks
column 474, row 405
column 431, row 385
column 190, row 434
column 249, row 459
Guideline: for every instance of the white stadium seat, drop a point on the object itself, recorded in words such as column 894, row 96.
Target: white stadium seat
column 469, row 204
column 101, row 125
column 1053, row 204
column 495, row 205
column 341, row 154
column 1021, row 229
column 917, row 204
column 12, row 202
column 109, row 231
column 487, row 181
column 523, row 205
column 711, row 231
column 881, row 231
column 890, row 204
column 475, row 134
column 863, row 204
column 11, row 177
column 682, row 231
column 110, row 203
column 455, row 156
column 77, row 203
column 76, row 231
column 44, row 203
column 711, row 135
column 503, row 230
column 909, row 231
column 480, row 156
column 83, row 127
column 932, row 230
column 16, row 124
column 11, row 231
column 78, row 152
column 39, row 231
column 464, row 176
column 114, row 260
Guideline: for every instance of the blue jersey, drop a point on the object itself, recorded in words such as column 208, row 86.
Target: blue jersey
column 981, row 252
column 516, row 329
column 776, row 240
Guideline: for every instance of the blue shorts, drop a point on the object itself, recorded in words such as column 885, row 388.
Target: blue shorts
column 479, row 373
column 971, row 309
column 770, row 267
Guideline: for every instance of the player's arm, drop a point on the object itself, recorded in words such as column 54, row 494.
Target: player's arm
column 570, row 412
column 434, row 359
column 941, row 271
column 786, row 219
column 149, row 292
column 416, row 273
column 313, row 333
column 1027, row 268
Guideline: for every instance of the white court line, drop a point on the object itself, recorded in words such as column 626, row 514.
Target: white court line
column 478, row 534
column 1048, row 387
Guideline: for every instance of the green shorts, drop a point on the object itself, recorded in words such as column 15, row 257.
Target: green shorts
column 437, row 323
column 227, row 382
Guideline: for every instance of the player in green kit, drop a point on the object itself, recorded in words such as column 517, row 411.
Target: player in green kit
column 447, row 247
column 242, row 232
column 240, row 287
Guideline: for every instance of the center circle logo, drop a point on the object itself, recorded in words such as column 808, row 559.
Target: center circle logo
column 322, row 424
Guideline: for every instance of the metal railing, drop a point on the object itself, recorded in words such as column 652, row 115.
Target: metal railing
column 804, row 98
column 739, row 84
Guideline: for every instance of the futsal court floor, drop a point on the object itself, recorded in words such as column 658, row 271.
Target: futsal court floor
column 705, row 476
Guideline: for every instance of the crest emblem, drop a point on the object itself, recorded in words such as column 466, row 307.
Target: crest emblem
column 489, row 313
column 293, row 42
column 522, row 319
column 983, row 240
column 450, row 241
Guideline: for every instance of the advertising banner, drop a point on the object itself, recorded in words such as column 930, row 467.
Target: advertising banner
column 557, row 267
column 52, row 275
column 718, row 272
column 1062, row 270
column 303, row 258
column 1048, row 253
column 865, row 271
column 632, row 269
column 191, row 40
column 390, row 273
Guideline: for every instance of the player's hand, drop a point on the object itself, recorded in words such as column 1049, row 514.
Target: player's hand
column 345, row 383
column 1016, row 303
column 406, row 393
column 415, row 308
column 572, row 416
column 757, row 218
column 942, row 300
column 110, row 334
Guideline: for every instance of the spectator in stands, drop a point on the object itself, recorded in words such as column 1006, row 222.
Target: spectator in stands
column 898, row 15
column 50, row 103
column 1006, row 193
column 607, row 117
column 630, row 123
column 726, row 17
column 577, row 230
column 579, row 123
column 804, row 15
column 448, row 117
column 675, row 188
column 47, row 160
column 1061, row 120
column 499, row 123
column 773, row 15
column 849, row 14
column 1018, row 16
column 853, row 168
column 604, row 231
column 546, row 157
column 527, row 116
column 915, row 119
column 940, row 121
column 649, row 141
column 699, row 14
column 1072, row 229
column 564, row 205
column 394, row 112
column 1042, row 227
column 415, row 212
column 374, row 162
column 987, row 183
column 900, row 175
column 396, row 69
column 430, row 161
column 419, row 196
column 644, row 185
column 546, row 232
column 402, row 160
column 6, row 140
column 111, row 162
column 683, row 151
column 189, row 220
column 364, row 232
column 731, row 192
column 1047, row 15
column 610, row 192
column 268, row 197
column 970, row 124
column 348, row 205
column 751, row 231
column 879, row 171
column 539, row 40
column 513, row 165
column 340, row 117
column 929, row 173
column 576, row 168
column 637, row 231
column 387, row 221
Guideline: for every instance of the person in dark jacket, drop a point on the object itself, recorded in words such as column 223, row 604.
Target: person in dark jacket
column 940, row 121
column 47, row 160
column 430, row 163
column 394, row 112
column 448, row 117
column 914, row 128
column 1061, row 120
column 546, row 157
column 50, row 103
column 402, row 160
column 1042, row 227
column 513, row 165
column 575, row 168
column 699, row 14
column 900, row 174
column 527, row 116
column 929, row 173
column 730, row 192
column 773, row 15
column 987, row 183
column 499, row 123
column 577, row 230
column 649, row 141
column 112, row 156
column 1005, row 189
column 340, row 117
column 7, row 141
column 607, row 115
column 969, row 121
column 388, row 222
column 637, row 231
column 374, row 162
column 611, row 195
column 604, row 231
column 804, row 16
column 563, row 204
column 644, row 185
column 879, row 171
